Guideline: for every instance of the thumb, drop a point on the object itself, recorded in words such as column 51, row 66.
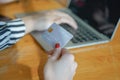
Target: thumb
column 56, row 52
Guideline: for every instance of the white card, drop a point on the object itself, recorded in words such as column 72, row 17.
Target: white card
column 56, row 34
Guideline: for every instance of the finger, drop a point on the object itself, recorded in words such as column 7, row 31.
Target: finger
column 74, row 67
column 63, row 51
column 67, row 54
column 73, row 70
column 56, row 52
column 67, row 58
column 68, row 17
column 50, row 52
column 72, row 23
column 63, row 18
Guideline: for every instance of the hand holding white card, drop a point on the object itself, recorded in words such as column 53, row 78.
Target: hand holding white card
column 56, row 34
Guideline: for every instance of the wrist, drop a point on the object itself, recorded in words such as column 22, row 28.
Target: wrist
column 29, row 24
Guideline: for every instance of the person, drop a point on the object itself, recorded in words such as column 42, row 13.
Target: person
column 12, row 31
column 61, row 64
column 60, row 68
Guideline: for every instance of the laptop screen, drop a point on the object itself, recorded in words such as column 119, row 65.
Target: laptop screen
column 102, row 15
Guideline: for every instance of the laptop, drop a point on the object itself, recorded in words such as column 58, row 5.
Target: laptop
column 97, row 22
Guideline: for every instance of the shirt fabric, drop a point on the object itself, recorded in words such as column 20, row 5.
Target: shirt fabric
column 11, row 32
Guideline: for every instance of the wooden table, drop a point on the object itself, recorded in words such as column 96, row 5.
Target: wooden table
column 99, row 62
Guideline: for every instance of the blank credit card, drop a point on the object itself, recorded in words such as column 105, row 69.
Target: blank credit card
column 56, row 34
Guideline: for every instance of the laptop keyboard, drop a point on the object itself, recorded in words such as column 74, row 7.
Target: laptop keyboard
column 81, row 34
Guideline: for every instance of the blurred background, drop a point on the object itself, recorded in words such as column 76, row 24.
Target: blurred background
column 27, row 5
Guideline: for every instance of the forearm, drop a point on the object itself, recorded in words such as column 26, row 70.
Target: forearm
column 29, row 24
column 11, row 32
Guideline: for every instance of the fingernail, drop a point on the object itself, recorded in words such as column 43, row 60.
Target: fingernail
column 57, row 45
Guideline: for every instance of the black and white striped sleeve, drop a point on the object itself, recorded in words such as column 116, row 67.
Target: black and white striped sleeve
column 11, row 32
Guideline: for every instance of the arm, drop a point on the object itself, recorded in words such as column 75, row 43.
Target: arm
column 11, row 32
column 42, row 21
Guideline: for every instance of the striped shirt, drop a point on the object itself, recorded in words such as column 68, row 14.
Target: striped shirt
column 11, row 32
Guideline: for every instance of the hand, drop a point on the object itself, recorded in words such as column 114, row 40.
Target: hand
column 43, row 20
column 60, row 68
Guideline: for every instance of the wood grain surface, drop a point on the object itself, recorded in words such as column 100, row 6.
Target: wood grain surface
column 25, row 60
